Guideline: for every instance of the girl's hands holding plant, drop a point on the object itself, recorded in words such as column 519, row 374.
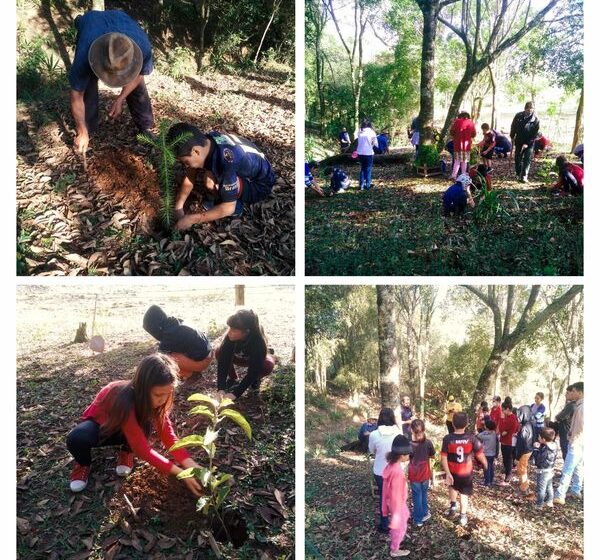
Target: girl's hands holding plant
column 193, row 486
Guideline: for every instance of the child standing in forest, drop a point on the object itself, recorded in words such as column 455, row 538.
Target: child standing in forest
column 487, row 145
column 419, row 471
column 124, row 413
column 489, row 439
column 462, row 132
column 394, row 494
column 458, row 449
column 538, row 414
column 544, row 456
column 507, row 428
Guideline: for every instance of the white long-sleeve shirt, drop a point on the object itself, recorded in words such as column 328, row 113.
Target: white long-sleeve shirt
column 366, row 140
column 380, row 444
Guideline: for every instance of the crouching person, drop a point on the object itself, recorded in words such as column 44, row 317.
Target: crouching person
column 458, row 196
column 234, row 172
column 125, row 413
column 570, row 177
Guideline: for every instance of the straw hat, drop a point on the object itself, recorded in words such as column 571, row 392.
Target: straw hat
column 115, row 59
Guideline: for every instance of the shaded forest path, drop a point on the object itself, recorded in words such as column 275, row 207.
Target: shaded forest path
column 397, row 227
column 341, row 512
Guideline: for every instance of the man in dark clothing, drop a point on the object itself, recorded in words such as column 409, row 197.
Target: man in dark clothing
column 404, row 414
column 365, row 431
column 523, row 132
column 562, row 421
column 344, row 138
column 524, row 448
column 235, row 171
column 111, row 47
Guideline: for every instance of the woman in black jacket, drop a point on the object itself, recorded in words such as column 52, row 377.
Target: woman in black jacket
column 524, row 448
column 244, row 345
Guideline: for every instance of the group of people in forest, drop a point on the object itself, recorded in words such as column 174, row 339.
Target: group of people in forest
column 225, row 170
column 125, row 413
column 403, row 453
column 524, row 140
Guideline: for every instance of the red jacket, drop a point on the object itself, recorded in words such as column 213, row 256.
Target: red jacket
column 495, row 414
column 510, row 425
column 135, row 435
column 577, row 173
column 462, row 132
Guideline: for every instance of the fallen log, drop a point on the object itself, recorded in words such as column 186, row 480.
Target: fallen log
column 403, row 156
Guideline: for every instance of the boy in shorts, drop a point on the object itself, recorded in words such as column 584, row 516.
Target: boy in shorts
column 457, row 454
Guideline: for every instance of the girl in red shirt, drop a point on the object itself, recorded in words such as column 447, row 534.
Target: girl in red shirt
column 507, row 427
column 462, row 132
column 124, row 413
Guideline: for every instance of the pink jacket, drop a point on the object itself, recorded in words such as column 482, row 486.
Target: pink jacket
column 393, row 501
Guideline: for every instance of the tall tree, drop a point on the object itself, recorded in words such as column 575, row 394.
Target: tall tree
column 203, row 11
column 354, row 49
column 430, row 10
column 487, row 28
column 417, row 306
column 389, row 363
column 274, row 7
column 502, row 302
column 317, row 16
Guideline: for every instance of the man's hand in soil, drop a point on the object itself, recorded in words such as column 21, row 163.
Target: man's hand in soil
column 179, row 213
column 219, row 211
column 81, row 143
column 117, row 107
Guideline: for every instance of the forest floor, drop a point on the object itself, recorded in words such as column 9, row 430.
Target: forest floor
column 341, row 511
column 397, row 227
column 104, row 221
column 56, row 380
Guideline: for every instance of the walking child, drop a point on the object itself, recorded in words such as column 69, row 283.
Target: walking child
column 544, row 455
column 394, row 494
column 458, row 449
column 419, row 471
column 491, row 448
column 124, row 414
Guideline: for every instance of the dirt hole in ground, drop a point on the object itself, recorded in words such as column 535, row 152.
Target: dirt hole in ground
column 129, row 181
column 165, row 504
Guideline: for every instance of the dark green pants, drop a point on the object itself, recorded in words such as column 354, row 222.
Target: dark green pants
column 523, row 158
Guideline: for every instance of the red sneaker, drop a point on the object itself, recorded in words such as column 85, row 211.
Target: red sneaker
column 124, row 463
column 79, row 477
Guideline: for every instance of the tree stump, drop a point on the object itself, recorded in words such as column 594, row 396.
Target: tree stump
column 81, row 334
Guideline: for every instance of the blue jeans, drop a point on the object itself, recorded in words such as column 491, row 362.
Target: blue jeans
column 366, row 165
column 572, row 473
column 383, row 521
column 419, row 496
column 544, row 491
column 488, row 475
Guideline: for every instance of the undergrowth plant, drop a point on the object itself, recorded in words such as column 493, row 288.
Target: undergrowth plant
column 166, row 165
column 216, row 485
column 427, row 155
column 489, row 205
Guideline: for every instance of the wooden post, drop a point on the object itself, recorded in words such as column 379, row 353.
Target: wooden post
column 239, row 295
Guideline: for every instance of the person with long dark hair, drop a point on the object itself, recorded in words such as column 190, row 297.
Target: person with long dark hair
column 188, row 347
column 125, row 413
column 245, row 345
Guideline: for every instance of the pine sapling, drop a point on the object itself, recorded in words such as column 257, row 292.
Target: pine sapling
column 216, row 485
column 166, row 165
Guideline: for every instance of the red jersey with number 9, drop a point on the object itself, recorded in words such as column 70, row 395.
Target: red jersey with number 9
column 459, row 450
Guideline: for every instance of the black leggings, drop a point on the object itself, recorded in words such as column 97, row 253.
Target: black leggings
column 86, row 435
column 507, row 459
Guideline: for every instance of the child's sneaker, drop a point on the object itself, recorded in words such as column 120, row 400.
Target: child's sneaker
column 427, row 517
column 124, row 463
column 549, row 505
column 79, row 477
column 398, row 553
column 463, row 519
column 451, row 511
column 559, row 501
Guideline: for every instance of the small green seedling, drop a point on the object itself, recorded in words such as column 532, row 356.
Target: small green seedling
column 166, row 164
column 216, row 485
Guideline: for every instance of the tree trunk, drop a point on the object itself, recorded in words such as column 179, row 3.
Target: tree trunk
column 493, row 367
column 427, row 89
column 457, row 99
column 81, row 334
column 494, row 118
column 578, row 121
column 389, row 366
column 476, row 108
column 275, row 8
column 239, row 295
